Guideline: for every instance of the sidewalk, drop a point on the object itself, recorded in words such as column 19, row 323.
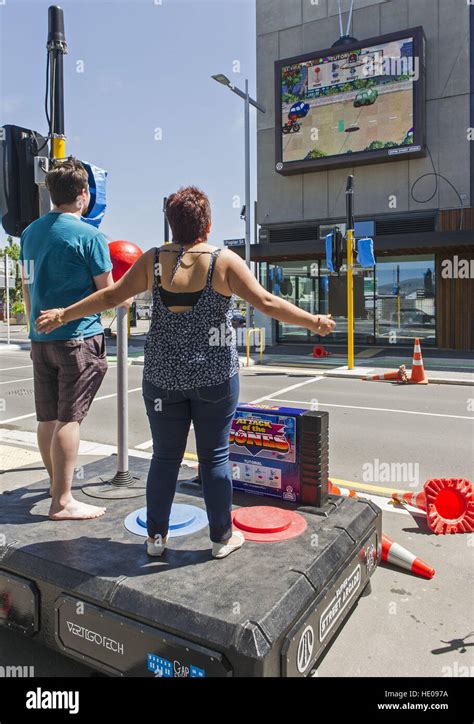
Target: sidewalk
column 424, row 624
column 442, row 366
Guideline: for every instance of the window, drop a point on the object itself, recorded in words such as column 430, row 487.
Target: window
column 405, row 300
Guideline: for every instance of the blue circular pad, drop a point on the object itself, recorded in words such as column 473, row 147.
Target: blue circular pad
column 184, row 520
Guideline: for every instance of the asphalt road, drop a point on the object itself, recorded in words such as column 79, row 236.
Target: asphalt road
column 407, row 626
column 420, row 431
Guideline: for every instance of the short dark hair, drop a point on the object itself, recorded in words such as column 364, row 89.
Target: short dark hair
column 189, row 214
column 65, row 181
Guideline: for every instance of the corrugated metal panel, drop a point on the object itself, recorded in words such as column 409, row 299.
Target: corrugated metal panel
column 292, row 233
column 412, row 224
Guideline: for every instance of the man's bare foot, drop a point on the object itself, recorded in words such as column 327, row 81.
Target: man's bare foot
column 73, row 510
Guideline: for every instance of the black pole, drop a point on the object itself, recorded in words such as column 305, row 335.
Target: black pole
column 57, row 48
column 350, row 203
column 167, row 226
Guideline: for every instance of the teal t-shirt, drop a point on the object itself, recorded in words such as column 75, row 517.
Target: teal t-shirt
column 61, row 255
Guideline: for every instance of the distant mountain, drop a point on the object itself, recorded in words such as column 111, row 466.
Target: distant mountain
column 407, row 286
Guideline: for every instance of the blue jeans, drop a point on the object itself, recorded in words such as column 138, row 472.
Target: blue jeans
column 170, row 412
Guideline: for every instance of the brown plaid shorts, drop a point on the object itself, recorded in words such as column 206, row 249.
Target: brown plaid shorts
column 67, row 375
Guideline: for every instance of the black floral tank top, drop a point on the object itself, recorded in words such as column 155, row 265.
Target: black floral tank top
column 196, row 348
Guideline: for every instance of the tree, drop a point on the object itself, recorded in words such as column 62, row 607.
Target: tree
column 291, row 77
column 12, row 248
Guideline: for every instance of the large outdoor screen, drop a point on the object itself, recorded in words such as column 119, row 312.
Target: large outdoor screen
column 351, row 104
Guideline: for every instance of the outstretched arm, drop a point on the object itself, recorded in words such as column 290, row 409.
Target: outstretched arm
column 242, row 282
column 136, row 280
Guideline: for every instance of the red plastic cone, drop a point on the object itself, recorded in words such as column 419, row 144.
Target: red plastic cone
column 448, row 503
column 399, row 556
column 418, row 500
column 418, row 376
column 394, row 375
column 399, row 375
column 336, row 490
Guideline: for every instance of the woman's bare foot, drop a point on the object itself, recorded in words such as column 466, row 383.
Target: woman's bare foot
column 74, row 510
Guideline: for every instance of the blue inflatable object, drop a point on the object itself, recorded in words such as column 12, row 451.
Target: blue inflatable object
column 98, row 190
column 365, row 252
column 329, row 251
column 276, row 275
column 184, row 520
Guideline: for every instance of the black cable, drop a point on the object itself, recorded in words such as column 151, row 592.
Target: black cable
column 46, row 96
column 437, row 175
column 53, row 109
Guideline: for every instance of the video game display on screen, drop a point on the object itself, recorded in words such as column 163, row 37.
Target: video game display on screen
column 351, row 101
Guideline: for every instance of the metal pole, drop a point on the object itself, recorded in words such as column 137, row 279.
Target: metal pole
column 398, row 296
column 123, row 484
column 122, row 387
column 7, row 296
column 247, row 191
column 57, row 48
column 350, row 262
column 166, row 225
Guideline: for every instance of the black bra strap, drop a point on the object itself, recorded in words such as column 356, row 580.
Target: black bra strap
column 212, row 264
column 156, row 268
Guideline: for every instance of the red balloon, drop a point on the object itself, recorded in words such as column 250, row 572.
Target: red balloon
column 123, row 255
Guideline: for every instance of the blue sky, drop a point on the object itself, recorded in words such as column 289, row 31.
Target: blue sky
column 146, row 66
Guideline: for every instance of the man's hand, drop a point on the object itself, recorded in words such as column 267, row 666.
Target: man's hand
column 48, row 320
column 323, row 324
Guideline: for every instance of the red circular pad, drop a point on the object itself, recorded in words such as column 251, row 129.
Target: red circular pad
column 450, row 505
column 123, row 255
column 266, row 524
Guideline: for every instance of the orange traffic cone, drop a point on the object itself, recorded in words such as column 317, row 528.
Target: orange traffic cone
column 399, row 556
column 394, row 375
column 336, row 490
column 448, row 503
column 418, row 376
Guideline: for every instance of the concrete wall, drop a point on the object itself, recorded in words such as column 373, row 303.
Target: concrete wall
column 292, row 27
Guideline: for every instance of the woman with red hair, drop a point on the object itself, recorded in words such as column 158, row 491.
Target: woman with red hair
column 191, row 361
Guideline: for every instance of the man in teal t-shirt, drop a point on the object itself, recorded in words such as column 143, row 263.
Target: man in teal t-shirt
column 64, row 260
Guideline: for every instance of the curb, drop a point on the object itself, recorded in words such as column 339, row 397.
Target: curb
column 353, row 375
column 242, row 362
column 20, row 345
column 431, row 380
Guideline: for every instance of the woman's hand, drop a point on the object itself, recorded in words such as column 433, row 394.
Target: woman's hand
column 49, row 320
column 127, row 303
column 323, row 324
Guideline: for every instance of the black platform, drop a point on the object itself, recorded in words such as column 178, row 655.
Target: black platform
column 88, row 589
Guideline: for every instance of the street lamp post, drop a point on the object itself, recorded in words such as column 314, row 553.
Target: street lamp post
column 220, row 78
column 247, row 189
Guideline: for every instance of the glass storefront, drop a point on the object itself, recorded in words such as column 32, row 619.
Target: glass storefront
column 405, row 300
column 393, row 301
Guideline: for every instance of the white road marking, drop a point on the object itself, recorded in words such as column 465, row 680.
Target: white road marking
column 114, row 394
column 33, row 414
column 14, row 419
column 20, row 367
column 86, row 447
column 12, row 382
column 375, row 409
column 286, row 389
column 144, row 445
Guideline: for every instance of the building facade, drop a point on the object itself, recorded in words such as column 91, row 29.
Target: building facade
column 418, row 210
